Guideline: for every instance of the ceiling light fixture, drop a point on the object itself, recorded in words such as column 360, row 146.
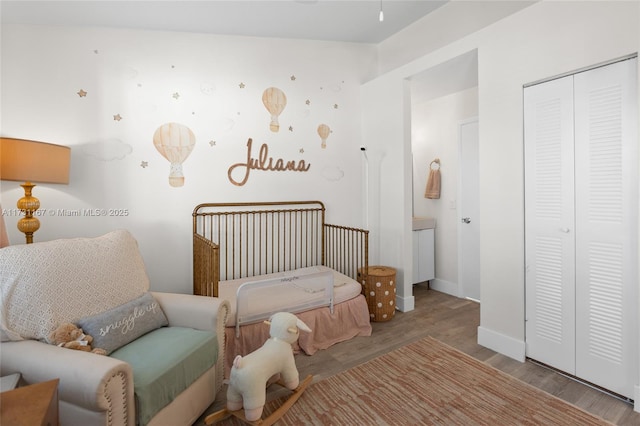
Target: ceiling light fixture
column 381, row 16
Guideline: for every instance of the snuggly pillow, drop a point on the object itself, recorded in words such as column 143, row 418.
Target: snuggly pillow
column 116, row 327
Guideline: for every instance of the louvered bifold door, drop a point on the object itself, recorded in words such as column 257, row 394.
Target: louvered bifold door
column 606, row 225
column 549, row 219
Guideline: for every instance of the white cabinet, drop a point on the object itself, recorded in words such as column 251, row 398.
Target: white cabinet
column 423, row 255
column 581, row 224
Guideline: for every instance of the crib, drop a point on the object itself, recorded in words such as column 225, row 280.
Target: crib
column 263, row 257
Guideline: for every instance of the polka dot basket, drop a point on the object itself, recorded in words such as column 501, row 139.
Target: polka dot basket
column 379, row 288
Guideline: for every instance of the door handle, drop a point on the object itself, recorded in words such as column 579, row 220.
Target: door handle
column 466, row 220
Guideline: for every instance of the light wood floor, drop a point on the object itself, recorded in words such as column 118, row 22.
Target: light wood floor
column 453, row 321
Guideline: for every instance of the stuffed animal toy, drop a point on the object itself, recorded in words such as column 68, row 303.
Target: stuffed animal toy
column 249, row 374
column 69, row 336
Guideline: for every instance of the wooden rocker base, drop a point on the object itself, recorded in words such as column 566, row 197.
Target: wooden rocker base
column 271, row 418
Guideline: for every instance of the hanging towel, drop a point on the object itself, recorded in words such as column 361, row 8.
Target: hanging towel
column 433, row 181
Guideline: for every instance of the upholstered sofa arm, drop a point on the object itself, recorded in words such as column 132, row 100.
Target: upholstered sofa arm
column 93, row 382
column 199, row 312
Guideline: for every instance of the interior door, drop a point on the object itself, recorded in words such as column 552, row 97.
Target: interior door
column 606, row 225
column 549, row 219
column 469, row 226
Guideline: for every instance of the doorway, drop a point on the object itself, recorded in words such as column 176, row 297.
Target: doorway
column 442, row 98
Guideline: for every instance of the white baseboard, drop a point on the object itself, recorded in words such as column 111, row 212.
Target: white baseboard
column 444, row 286
column 508, row 346
column 405, row 304
column 636, row 398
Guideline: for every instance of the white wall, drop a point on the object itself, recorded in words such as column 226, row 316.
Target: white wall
column 386, row 133
column 557, row 38
column 435, row 134
column 542, row 40
column 219, row 83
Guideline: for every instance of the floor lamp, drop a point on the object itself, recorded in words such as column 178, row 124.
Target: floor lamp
column 29, row 161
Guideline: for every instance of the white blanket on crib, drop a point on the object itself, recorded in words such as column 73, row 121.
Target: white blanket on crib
column 344, row 288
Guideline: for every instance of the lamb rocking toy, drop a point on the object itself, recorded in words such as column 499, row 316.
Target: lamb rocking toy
column 250, row 374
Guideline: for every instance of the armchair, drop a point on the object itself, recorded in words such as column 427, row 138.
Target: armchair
column 45, row 284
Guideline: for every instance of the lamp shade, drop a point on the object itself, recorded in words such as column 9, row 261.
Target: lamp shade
column 30, row 161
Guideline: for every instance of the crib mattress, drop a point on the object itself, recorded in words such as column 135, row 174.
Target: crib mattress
column 344, row 288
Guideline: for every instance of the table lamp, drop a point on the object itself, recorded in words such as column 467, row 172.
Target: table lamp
column 30, row 161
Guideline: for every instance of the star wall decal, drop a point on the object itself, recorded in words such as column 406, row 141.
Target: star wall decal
column 335, row 106
column 95, row 51
column 308, row 102
column 176, row 95
column 82, row 93
column 291, row 128
column 117, row 117
column 212, row 143
column 144, row 164
column 301, row 150
column 293, row 78
column 241, row 85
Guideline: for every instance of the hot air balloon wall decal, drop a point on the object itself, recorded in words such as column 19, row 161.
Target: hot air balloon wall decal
column 323, row 132
column 274, row 101
column 175, row 142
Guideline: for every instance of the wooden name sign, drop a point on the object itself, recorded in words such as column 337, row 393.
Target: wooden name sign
column 265, row 163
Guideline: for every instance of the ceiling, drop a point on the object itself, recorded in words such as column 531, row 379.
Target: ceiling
column 331, row 20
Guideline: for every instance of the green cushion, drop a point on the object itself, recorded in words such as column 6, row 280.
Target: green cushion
column 165, row 362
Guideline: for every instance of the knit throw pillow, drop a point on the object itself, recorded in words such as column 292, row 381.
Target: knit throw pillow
column 118, row 326
column 43, row 285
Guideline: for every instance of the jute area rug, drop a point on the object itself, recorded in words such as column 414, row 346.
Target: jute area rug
column 427, row 383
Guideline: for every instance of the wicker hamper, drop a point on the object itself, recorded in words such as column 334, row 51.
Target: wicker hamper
column 379, row 288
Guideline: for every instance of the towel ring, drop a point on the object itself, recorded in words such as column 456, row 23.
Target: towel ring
column 437, row 162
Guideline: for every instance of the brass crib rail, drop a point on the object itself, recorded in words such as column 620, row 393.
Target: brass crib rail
column 236, row 240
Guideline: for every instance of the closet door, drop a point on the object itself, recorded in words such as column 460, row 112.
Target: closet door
column 606, row 225
column 549, row 219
